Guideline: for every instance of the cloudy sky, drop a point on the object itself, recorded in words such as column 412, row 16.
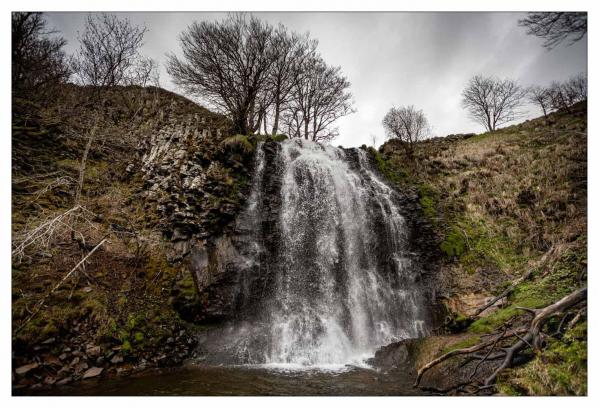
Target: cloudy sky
column 391, row 59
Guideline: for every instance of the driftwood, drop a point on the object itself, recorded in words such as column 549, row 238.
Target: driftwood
column 529, row 336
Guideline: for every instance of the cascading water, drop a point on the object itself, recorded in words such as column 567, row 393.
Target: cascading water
column 343, row 281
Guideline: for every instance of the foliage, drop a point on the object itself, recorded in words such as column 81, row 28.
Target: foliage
column 239, row 142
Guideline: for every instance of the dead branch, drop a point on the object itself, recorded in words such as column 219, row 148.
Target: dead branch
column 90, row 139
column 543, row 314
column 532, row 338
column 467, row 350
column 40, row 234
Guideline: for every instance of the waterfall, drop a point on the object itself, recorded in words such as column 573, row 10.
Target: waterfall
column 343, row 281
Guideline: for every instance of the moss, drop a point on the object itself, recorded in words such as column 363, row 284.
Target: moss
column 239, row 143
column 489, row 323
column 467, row 342
column 126, row 347
column 279, row 138
column 428, row 201
column 454, row 243
column 393, row 174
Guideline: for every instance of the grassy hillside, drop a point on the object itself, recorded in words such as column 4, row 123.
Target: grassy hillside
column 504, row 204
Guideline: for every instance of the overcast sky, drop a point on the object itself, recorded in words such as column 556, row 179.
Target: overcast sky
column 391, row 59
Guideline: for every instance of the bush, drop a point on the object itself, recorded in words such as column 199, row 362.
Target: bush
column 239, row 143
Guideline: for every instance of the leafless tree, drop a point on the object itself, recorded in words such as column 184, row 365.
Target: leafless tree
column 227, row 63
column 577, row 87
column 555, row 27
column 540, row 96
column 290, row 52
column 38, row 59
column 408, row 125
column 109, row 52
column 320, row 97
column 108, row 56
column 492, row 101
column 565, row 94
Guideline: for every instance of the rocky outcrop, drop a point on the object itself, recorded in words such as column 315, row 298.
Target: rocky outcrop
column 194, row 184
column 229, row 271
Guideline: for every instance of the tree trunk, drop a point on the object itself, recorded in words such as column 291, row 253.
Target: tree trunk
column 275, row 126
column 306, row 129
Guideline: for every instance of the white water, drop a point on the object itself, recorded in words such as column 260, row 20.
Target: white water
column 345, row 283
column 335, row 305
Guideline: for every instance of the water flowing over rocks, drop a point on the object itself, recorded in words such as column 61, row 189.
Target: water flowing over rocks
column 323, row 266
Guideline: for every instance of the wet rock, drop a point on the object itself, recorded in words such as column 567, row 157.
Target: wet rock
column 26, row 368
column 93, row 372
column 400, row 355
column 116, row 360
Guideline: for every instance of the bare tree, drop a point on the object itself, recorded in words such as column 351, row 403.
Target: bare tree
column 320, row 97
column 109, row 55
column 109, row 52
column 577, row 87
column 227, row 63
column 408, row 125
column 38, row 59
column 540, row 96
column 555, row 27
column 290, row 52
column 492, row 101
column 565, row 94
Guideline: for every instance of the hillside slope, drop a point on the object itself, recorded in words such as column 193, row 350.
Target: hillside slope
column 97, row 287
column 509, row 207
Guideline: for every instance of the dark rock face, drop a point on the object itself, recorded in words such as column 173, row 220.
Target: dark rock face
column 231, row 274
column 194, row 183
